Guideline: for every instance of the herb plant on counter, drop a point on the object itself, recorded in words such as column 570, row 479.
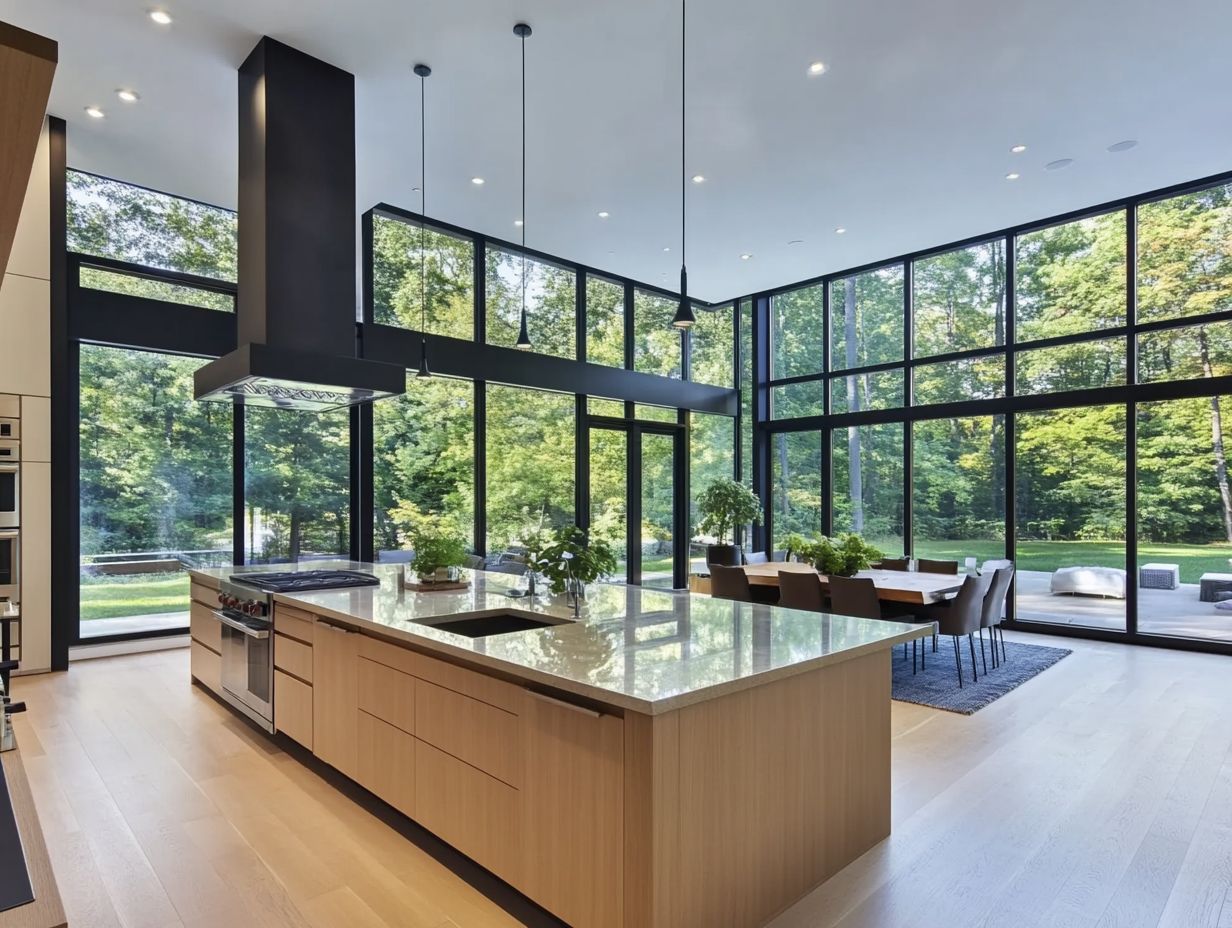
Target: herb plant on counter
column 592, row 558
column 437, row 545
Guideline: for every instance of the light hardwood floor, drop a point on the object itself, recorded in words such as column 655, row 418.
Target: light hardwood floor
column 1098, row 794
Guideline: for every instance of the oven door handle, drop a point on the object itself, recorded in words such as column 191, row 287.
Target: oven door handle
column 7, row 468
column 10, row 533
column 240, row 626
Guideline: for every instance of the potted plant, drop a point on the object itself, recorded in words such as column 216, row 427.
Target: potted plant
column 439, row 549
column 723, row 505
column 572, row 560
column 842, row 556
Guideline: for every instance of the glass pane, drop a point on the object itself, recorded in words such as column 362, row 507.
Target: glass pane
column 609, row 463
column 601, row 407
column 1185, row 353
column 958, row 488
column 658, row 507
column 96, row 279
column 656, row 345
column 396, row 287
column 712, row 456
column 529, row 463
column 794, row 400
column 1185, row 255
column 955, row 381
column 551, row 303
column 867, row 489
column 1080, row 366
column 746, row 391
column 654, row 413
column 1184, row 518
column 866, row 319
column 117, row 220
column 797, row 338
column 155, row 478
column 297, row 479
column 605, row 322
column 423, row 446
column 958, row 299
column 875, row 390
column 795, row 484
column 1070, row 522
column 1070, row 278
column 711, row 357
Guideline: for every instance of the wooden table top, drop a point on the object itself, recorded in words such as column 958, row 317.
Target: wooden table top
column 899, row 586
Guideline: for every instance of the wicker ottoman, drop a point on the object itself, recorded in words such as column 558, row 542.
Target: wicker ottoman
column 1209, row 584
column 1159, row 576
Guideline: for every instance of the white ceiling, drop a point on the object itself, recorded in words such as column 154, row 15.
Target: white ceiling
column 905, row 141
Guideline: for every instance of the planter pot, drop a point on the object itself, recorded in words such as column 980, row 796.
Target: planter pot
column 723, row 555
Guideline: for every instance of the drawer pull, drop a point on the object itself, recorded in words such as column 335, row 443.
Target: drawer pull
column 544, row 697
column 335, row 628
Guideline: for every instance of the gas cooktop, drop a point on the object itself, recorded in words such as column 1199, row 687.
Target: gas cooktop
column 303, row 580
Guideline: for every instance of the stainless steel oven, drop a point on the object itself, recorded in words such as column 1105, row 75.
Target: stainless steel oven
column 10, row 565
column 10, row 492
column 247, row 651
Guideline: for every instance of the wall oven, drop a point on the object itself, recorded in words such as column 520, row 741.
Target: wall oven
column 10, row 483
column 10, row 565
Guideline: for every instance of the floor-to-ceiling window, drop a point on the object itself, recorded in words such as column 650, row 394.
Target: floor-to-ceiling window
column 400, row 252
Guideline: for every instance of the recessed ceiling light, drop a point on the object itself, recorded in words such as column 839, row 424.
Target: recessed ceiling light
column 698, row 178
column 518, row 223
column 477, row 181
column 95, row 112
column 1058, row 164
column 162, row 17
column 816, row 68
column 840, row 231
column 667, row 248
column 416, row 190
column 1123, row 146
column 1018, row 149
column 603, row 214
column 128, row 96
column 745, row 256
column 1012, row 175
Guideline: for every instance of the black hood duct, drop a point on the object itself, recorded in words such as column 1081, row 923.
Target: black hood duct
column 298, row 341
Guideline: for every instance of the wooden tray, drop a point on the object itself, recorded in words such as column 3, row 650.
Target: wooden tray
column 441, row 586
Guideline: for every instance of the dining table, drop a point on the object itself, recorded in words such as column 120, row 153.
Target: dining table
column 900, row 586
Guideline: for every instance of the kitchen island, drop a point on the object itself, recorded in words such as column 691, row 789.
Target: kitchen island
column 662, row 761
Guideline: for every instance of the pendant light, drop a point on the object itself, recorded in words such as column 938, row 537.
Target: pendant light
column 422, row 70
column 521, row 30
column 684, row 317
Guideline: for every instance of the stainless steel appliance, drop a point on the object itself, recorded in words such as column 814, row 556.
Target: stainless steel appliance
column 10, row 428
column 10, row 567
column 245, row 611
column 10, row 483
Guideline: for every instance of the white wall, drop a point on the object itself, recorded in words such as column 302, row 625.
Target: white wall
column 25, row 372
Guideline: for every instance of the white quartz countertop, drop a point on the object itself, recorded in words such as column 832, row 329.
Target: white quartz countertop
column 649, row 651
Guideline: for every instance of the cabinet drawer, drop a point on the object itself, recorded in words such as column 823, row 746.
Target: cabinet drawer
column 205, row 665
column 382, row 652
column 469, row 683
column 204, row 628
column 200, row 593
column 477, row 814
column 470, row 730
column 387, row 694
column 385, row 762
column 293, row 656
column 293, row 623
column 293, row 708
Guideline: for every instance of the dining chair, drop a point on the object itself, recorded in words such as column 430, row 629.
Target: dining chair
column 756, row 557
column 994, row 602
column 729, row 583
column 962, row 615
column 925, row 566
column 892, row 563
column 800, row 590
column 474, row 562
column 857, row 596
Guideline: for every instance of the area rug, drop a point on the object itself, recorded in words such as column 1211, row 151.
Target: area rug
column 937, row 684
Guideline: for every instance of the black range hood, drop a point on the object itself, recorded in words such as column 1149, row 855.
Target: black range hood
column 295, row 310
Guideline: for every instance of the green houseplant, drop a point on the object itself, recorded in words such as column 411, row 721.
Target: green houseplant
column 843, row 556
column 723, row 505
column 590, row 558
column 438, row 546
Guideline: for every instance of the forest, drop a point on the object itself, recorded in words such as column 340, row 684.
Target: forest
column 155, row 466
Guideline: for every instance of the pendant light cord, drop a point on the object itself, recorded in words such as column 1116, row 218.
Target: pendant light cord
column 684, row 183
column 523, row 37
column 423, row 214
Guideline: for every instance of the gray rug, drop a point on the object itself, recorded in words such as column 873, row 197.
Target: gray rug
column 937, row 684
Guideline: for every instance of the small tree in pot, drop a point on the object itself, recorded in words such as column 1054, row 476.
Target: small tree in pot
column 438, row 546
column 723, row 505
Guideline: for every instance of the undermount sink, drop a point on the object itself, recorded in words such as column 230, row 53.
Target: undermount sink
column 481, row 626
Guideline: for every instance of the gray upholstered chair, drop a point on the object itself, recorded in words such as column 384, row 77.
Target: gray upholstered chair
column 729, row 583
column 925, row 566
column 756, row 557
column 857, row 596
column 473, row 562
column 893, row 563
column 994, row 603
column 801, row 590
column 962, row 615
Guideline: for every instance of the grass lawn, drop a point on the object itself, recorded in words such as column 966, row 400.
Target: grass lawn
column 105, row 597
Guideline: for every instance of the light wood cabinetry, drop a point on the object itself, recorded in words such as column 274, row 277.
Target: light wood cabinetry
column 205, row 666
column 293, row 708
column 334, row 695
column 387, row 694
column 385, row 762
column 206, row 638
column 293, row 656
column 204, row 628
column 573, row 807
column 476, row 733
